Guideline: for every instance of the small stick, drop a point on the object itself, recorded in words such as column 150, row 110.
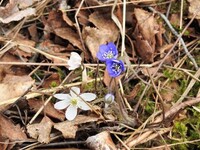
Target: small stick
column 173, row 110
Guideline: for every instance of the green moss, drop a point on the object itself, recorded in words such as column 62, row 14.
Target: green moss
column 149, row 107
column 54, row 84
column 176, row 7
column 187, row 33
column 173, row 74
column 180, row 130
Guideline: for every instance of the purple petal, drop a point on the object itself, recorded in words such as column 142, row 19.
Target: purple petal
column 115, row 67
column 113, row 48
column 100, row 56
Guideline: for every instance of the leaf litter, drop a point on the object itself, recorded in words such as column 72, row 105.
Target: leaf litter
column 153, row 99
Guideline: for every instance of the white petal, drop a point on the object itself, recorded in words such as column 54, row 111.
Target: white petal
column 75, row 56
column 82, row 105
column 63, row 96
column 74, row 89
column 73, row 67
column 74, row 61
column 61, row 104
column 88, row 96
column 71, row 112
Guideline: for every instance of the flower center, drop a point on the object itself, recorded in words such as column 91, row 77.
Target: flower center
column 74, row 101
column 108, row 55
column 116, row 68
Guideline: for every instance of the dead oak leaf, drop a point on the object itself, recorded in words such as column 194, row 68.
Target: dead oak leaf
column 68, row 34
column 105, row 31
column 41, row 131
column 10, row 131
column 69, row 128
column 144, row 49
column 147, row 33
column 48, row 110
column 13, row 86
column 56, row 24
column 146, row 24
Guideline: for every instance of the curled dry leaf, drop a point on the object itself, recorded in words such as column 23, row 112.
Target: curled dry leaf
column 105, row 31
column 41, row 131
column 13, row 86
column 68, row 34
column 146, row 33
column 101, row 141
column 69, row 128
column 48, row 110
column 33, row 32
column 194, row 8
column 11, row 12
column 56, row 24
column 10, row 131
column 23, row 50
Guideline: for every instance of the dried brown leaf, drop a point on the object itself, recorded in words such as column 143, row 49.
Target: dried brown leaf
column 21, row 50
column 41, row 131
column 147, row 33
column 11, row 12
column 105, row 31
column 144, row 49
column 194, row 8
column 11, row 131
column 102, row 140
column 25, row 3
column 146, row 24
column 13, row 86
column 69, row 128
column 49, row 109
column 169, row 93
column 33, row 32
column 109, row 81
column 68, row 34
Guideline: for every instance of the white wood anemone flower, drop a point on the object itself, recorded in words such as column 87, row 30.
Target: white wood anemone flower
column 74, row 61
column 73, row 101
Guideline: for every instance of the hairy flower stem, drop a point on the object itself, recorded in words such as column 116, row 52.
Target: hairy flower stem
column 122, row 110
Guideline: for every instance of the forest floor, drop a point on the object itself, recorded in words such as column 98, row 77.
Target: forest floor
column 100, row 74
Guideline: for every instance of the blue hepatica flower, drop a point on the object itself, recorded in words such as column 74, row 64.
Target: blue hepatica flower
column 115, row 67
column 107, row 52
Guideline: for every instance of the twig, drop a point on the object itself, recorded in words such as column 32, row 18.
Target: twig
column 123, row 28
column 176, row 108
column 177, row 35
column 192, row 82
column 64, row 64
column 78, row 27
